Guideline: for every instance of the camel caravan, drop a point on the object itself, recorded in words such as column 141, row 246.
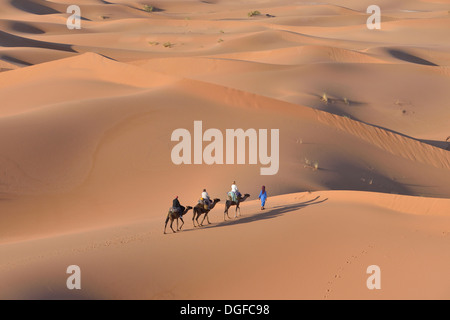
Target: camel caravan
column 203, row 207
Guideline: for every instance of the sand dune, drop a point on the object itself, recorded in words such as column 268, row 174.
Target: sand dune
column 86, row 175
column 243, row 260
column 94, row 161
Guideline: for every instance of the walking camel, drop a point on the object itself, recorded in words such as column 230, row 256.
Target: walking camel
column 175, row 216
column 230, row 203
column 199, row 209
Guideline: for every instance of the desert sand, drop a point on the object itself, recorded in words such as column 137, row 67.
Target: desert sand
column 86, row 176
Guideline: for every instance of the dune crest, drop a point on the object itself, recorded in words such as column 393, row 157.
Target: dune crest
column 394, row 143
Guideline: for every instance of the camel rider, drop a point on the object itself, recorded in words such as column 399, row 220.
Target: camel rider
column 206, row 199
column 235, row 194
column 176, row 206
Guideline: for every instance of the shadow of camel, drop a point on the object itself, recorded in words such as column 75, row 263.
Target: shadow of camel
column 265, row 215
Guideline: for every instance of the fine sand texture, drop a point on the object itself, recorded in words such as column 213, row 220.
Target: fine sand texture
column 87, row 178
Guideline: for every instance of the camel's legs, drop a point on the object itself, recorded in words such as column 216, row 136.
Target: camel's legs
column 167, row 219
column 182, row 222
column 171, row 223
column 227, row 207
column 193, row 219
column 207, row 219
column 201, row 224
column 236, row 211
column 226, row 213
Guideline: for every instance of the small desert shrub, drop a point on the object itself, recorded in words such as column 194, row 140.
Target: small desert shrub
column 168, row 45
column 220, row 40
column 153, row 43
column 254, row 13
column 148, row 8
column 314, row 165
column 369, row 181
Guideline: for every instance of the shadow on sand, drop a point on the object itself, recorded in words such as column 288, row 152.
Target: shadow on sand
column 264, row 215
column 405, row 56
column 46, row 294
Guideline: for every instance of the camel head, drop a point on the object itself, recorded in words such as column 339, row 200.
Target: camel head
column 245, row 197
column 214, row 203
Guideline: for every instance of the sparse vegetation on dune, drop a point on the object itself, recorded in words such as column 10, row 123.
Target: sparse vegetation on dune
column 148, row 8
column 325, row 98
column 314, row 165
column 254, row 13
column 369, row 180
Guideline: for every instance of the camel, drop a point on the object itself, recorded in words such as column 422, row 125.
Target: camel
column 230, row 203
column 199, row 210
column 176, row 215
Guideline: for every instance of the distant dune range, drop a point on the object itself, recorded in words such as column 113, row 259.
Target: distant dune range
column 85, row 140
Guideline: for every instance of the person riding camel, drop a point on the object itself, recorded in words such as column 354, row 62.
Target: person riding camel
column 176, row 206
column 206, row 199
column 235, row 194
